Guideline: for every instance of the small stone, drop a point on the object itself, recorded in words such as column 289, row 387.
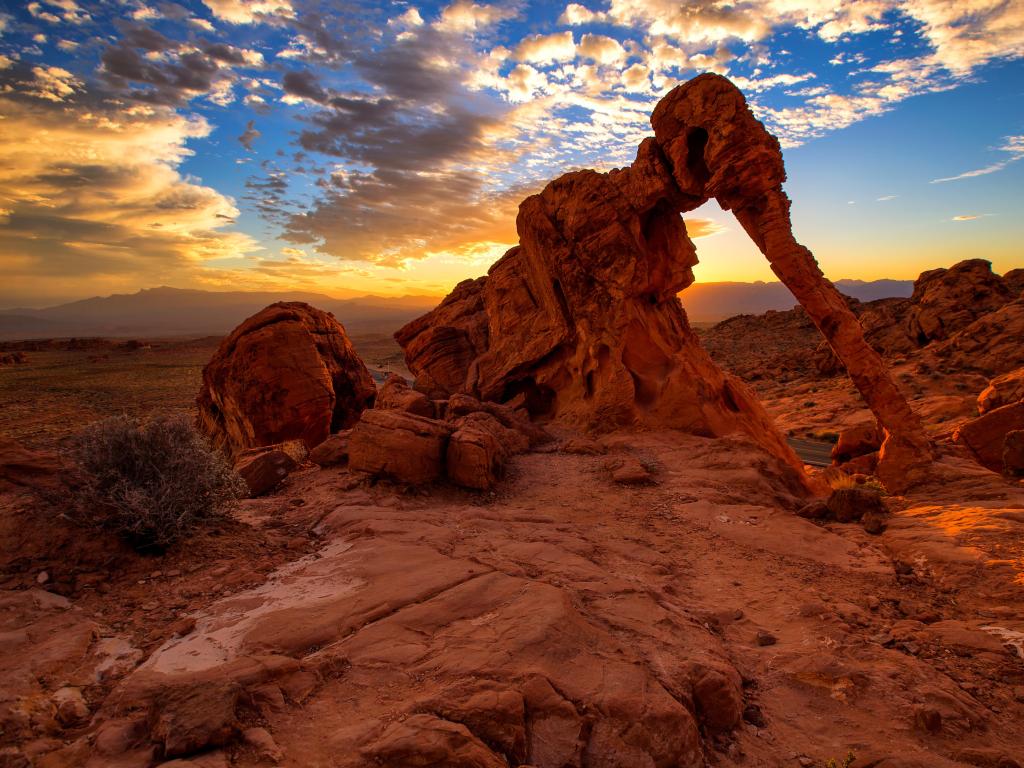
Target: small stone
column 873, row 522
column 42, row 578
column 805, row 761
column 766, row 638
column 874, row 603
column 753, row 715
column 264, row 744
column 928, row 719
column 71, row 707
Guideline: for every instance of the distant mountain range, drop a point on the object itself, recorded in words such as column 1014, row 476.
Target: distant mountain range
column 165, row 311
column 712, row 302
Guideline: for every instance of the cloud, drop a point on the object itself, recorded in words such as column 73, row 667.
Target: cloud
column 52, row 84
column 970, row 217
column 464, row 16
column 249, row 135
column 637, row 78
column 544, row 49
column 601, row 49
column 887, row 198
column 576, row 14
column 250, row 11
column 1012, row 145
column 95, row 198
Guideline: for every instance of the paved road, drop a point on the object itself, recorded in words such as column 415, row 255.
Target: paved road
column 817, row 453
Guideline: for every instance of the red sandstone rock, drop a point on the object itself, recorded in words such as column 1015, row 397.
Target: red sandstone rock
column 332, row 451
column 288, row 372
column 946, row 300
column 475, row 458
column 479, row 448
column 991, row 344
column 1013, row 453
column 856, row 441
column 1002, row 390
column 1014, row 281
column 400, row 446
column 581, row 320
column 193, row 717
column 397, row 395
column 511, row 418
column 264, row 470
column 985, row 435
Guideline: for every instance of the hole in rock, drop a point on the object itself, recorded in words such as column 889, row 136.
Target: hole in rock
column 696, row 141
column 539, row 398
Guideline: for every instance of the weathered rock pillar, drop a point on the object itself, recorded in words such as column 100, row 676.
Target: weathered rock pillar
column 906, row 452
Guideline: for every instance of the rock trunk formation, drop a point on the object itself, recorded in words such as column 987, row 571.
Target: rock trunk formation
column 581, row 321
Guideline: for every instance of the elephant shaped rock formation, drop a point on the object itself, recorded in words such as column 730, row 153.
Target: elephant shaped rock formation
column 581, row 321
column 289, row 372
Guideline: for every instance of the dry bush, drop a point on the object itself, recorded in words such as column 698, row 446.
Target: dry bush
column 150, row 483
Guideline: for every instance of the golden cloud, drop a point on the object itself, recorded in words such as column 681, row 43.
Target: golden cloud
column 94, row 200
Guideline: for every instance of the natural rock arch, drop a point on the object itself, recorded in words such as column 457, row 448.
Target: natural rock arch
column 581, row 320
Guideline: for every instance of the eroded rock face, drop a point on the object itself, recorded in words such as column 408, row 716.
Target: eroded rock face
column 288, row 372
column 582, row 322
column 946, row 300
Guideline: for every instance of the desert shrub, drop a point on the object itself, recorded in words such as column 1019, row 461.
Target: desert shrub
column 846, row 763
column 150, row 483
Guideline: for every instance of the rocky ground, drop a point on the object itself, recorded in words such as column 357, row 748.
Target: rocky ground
column 563, row 619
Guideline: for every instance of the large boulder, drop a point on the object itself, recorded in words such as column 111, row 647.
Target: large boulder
column 288, row 372
column 399, row 446
column 985, row 436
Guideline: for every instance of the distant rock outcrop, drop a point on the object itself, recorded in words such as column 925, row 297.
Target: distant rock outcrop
column 289, row 372
column 581, row 320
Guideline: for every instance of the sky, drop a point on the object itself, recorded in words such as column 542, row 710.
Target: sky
column 356, row 147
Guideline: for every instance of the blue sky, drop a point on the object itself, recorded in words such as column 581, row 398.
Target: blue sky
column 359, row 148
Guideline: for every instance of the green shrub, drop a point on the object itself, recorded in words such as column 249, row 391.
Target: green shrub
column 150, row 483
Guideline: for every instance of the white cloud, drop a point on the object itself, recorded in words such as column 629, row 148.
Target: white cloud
column 464, row 16
column 543, row 49
column 576, row 14
column 637, row 78
column 602, row 49
column 411, row 18
column 1012, row 145
column 524, row 82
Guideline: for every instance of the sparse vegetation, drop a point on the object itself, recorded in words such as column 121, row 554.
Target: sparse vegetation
column 847, row 761
column 150, row 483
